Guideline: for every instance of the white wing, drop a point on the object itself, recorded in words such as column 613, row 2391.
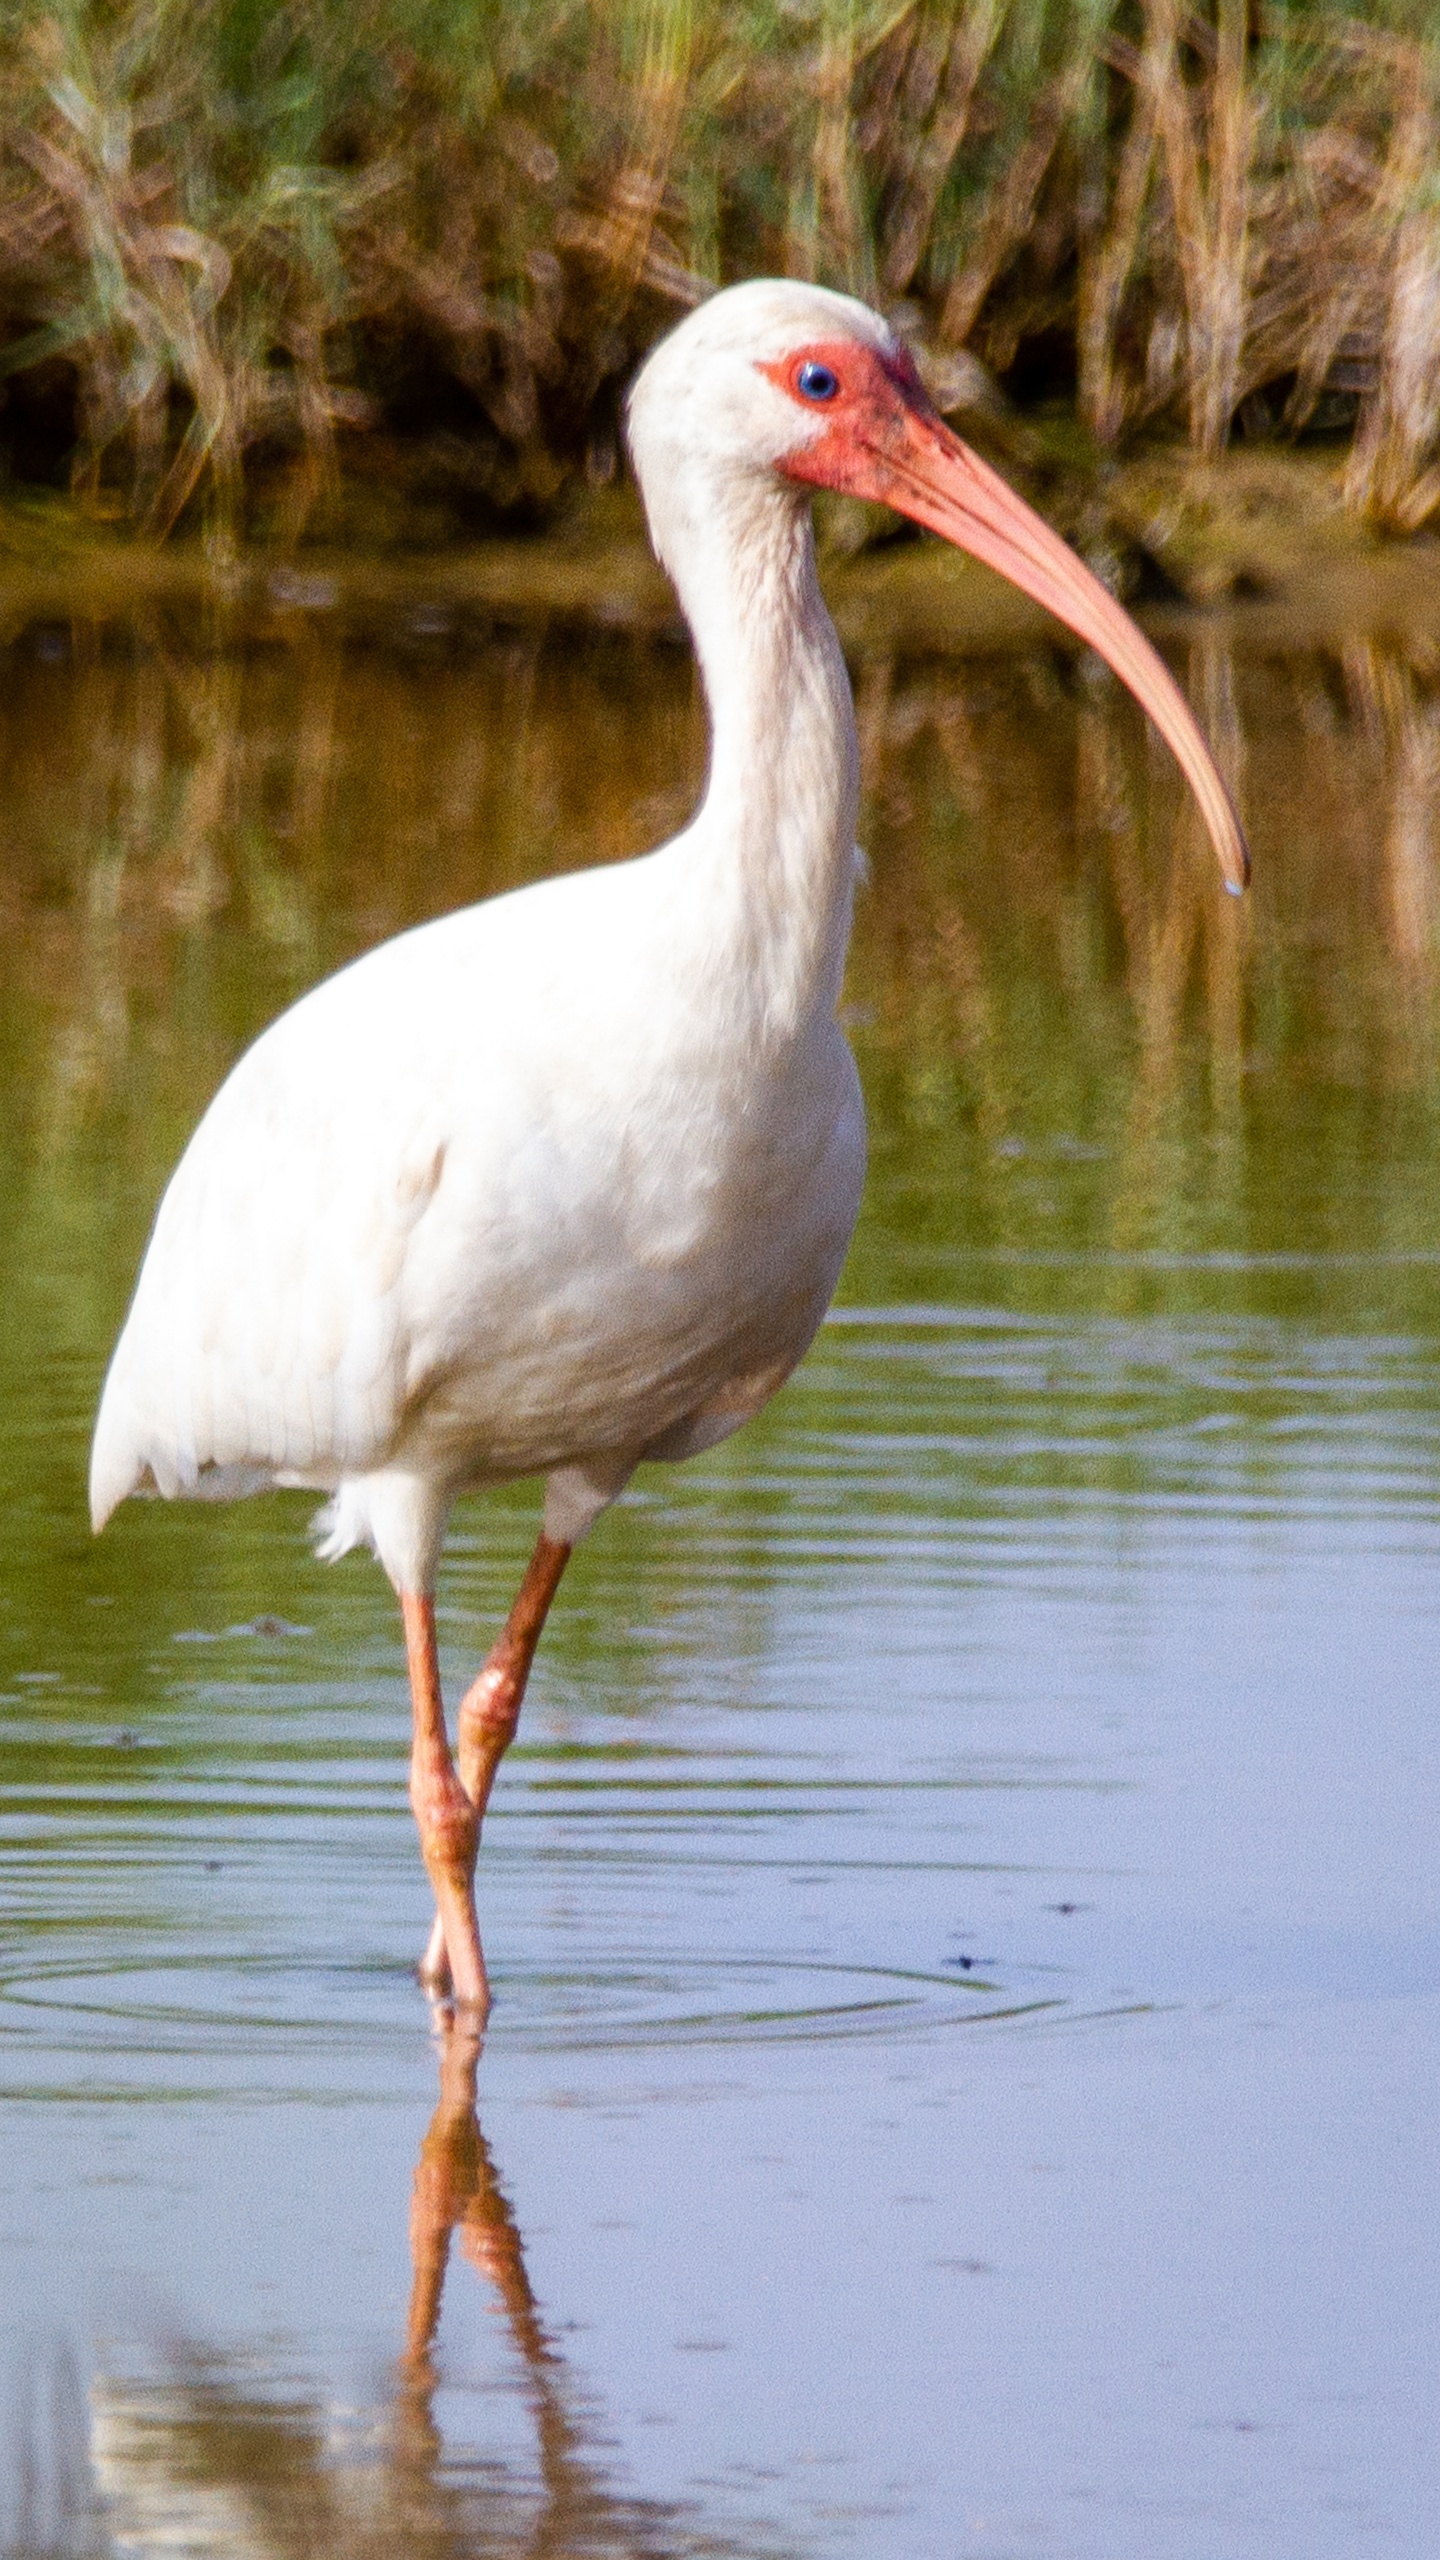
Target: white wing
column 265, row 1337
column 312, row 1271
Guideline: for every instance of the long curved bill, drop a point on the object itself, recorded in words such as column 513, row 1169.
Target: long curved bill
column 904, row 455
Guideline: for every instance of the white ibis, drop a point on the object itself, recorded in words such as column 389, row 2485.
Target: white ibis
column 564, row 1181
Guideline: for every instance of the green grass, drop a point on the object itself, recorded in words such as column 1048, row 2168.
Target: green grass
column 252, row 249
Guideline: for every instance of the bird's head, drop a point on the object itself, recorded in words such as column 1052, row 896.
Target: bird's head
column 786, row 382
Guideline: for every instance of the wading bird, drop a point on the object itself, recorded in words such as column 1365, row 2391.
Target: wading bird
column 564, row 1181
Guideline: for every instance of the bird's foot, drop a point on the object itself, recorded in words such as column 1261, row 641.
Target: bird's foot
column 453, row 2016
column 433, row 1970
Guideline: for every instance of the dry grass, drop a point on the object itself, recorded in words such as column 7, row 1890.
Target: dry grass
column 244, row 239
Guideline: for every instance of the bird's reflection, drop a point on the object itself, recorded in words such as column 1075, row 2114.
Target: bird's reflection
column 226, row 2454
column 457, row 2194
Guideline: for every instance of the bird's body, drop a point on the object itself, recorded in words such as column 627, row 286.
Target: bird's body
column 481, row 1207
column 564, row 1182
column 551, row 1185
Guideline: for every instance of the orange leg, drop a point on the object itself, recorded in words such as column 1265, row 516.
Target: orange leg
column 489, row 1714
column 445, row 1818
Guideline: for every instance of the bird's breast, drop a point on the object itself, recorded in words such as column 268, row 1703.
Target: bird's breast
column 643, row 1249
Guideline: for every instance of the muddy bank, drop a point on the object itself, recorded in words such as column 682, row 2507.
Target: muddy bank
column 1256, row 540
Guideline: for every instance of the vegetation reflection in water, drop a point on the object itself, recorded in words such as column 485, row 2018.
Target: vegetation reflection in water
column 1120, row 1062
column 1149, row 1254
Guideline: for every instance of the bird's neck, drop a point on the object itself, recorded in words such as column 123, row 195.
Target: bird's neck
column 775, row 834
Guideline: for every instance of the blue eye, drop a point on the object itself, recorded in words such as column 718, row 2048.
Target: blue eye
column 817, row 382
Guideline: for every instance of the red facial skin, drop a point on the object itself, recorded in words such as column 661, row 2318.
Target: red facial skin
column 881, row 439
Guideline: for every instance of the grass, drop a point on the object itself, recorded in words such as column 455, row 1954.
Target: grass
column 256, row 255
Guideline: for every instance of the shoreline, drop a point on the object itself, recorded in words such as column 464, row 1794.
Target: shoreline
column 1252, row 548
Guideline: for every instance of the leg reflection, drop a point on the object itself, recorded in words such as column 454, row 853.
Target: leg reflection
column 235, row 2454
column 457, row 2194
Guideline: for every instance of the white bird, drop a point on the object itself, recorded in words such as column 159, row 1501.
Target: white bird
column 564, row 1181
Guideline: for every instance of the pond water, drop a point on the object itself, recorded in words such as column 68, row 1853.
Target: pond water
column 963, row 1903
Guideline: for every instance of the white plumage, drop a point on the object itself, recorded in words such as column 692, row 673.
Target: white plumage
column 564, row 1181
column 481, row 1207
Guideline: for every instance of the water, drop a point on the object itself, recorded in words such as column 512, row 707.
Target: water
column 963, row 1902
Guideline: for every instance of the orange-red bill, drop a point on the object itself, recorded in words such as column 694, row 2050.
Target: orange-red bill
column 892, row 447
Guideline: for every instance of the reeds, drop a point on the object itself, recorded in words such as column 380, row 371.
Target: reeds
column 237, row 240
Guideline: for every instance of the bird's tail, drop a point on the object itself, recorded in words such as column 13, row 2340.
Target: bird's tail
column 342, row 1523
column 116, row 1468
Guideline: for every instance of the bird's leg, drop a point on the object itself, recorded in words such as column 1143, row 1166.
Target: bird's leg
column 490, row 1708
column 447, row 1821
